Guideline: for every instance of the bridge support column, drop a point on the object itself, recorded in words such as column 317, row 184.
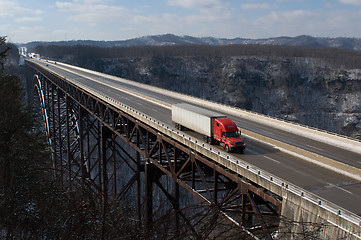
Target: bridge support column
column 60, row 137
column 139, row 190
column 69, row 156
column 53, row 129
column 105, row 134
column 81, row 143
column 176, row 208
column 149, row 177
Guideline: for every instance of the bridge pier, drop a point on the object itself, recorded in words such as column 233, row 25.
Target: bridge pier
column 149, row 178
column 313, row 221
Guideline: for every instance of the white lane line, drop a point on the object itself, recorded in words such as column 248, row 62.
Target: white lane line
column 269, row 133
column 340, row 188
column 344, row 190
column 319, row 149
column 272, row 159
column 122, row 97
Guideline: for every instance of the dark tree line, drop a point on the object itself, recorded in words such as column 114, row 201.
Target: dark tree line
column 33, row 203
column 336, row 57
column 4, row 48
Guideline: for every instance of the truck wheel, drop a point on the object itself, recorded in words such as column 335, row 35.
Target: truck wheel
column 226, row 147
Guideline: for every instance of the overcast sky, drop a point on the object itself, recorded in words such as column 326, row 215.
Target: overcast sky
column 50, row 20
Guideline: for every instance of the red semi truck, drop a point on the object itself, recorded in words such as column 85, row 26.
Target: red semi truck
column 215, row 127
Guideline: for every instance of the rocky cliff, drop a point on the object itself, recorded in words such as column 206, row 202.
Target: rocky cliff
column 315, row 91
column 303, row 90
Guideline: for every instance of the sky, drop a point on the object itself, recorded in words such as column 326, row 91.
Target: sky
column 24, row 21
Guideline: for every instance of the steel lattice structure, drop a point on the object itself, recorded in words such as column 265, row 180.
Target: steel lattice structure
column 121, row 157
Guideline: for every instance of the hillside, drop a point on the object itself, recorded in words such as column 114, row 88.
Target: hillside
column 170, row 40
column 315, row 86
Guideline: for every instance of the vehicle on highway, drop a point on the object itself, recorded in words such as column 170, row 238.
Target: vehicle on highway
column 215, row 127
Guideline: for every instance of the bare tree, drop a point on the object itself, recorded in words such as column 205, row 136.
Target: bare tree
column 4, row 48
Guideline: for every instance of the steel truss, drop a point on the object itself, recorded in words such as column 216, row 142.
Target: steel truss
column 123, row 158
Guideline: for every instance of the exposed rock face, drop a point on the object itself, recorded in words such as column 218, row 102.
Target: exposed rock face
column 304, row 90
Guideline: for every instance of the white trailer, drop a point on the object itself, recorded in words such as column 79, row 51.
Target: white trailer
column 195, row 118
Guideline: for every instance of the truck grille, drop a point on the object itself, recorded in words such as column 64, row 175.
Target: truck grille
column 238, row 143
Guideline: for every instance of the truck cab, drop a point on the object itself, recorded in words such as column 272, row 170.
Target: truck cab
column 228, row 135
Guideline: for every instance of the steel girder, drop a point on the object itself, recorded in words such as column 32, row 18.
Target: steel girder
column 88, row 137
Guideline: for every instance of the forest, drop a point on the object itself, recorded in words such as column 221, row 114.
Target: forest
column 315, row 86
column 34, row 203
column 347, row 59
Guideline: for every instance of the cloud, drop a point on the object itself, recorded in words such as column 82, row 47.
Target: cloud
column 28, row 19
column 89, row 1
column 90, row 11
column 255, row 6
column 203, row 6
column 209, row 10
column 351, row 2
column 30, row 33
column 196, row 4
column 4, row 28
column 11, row 9
column 315, row 23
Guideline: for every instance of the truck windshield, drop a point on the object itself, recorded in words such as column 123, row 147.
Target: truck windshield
column 232, row 134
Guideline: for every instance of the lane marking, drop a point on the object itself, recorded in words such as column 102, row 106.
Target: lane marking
column 319, row 149
column 340, row 188
column 272, row 159
column 268, row 132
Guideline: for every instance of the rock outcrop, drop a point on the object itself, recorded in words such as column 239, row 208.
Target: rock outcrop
column 306, row 91
column 318, row 91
